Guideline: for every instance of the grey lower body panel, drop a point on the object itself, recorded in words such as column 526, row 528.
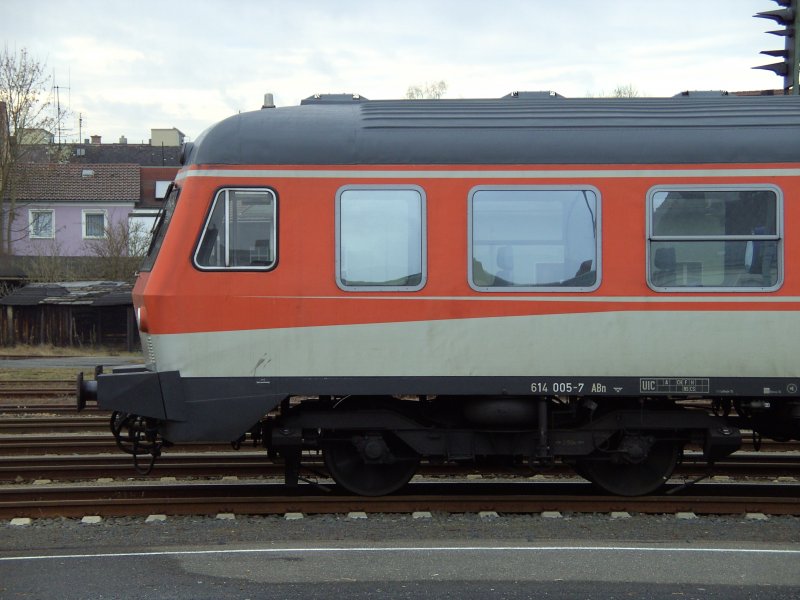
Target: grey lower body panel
column 188, row 409
column 655, row 386
column 224, row 409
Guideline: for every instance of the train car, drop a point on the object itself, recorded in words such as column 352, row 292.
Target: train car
column 516, row 280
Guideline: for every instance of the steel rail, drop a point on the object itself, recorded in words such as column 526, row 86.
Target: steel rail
column 15, row 383
column 77, row 468
column 19, row 389
column 16, row 445
column 37, row 392
column 26, row 408
column 53, row 424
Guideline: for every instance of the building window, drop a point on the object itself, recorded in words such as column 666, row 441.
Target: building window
column 380, row 238
column 161, row 189
column 159, row 231
column 240, row 231
column 715, row 238
column 94, row 224
column 534, row 239
column 41, row 224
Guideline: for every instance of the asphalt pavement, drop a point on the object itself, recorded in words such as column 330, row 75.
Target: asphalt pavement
column 583, row 557
column 423, row 570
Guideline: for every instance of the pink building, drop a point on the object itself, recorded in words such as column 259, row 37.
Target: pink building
column 62, row 209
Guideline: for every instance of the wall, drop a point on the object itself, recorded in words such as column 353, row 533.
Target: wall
column 68, row 225
column 165, row 137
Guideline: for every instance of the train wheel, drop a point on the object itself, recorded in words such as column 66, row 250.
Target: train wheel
column 369, row 465
column 639, row 465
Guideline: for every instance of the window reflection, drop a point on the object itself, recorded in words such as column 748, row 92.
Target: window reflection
column 714, row 238
column 239, row 232
column 534, row 238
column 380, row 238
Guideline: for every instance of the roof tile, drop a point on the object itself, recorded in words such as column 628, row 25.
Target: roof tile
column 59, row 182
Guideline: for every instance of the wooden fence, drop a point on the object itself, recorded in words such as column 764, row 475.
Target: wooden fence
column 69, row 325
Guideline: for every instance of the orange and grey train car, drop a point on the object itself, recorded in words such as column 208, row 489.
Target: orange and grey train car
column 521, row 279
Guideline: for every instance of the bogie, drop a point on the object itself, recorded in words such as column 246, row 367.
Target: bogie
column 375, row 444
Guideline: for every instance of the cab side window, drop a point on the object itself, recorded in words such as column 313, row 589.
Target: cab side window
column 240, row 231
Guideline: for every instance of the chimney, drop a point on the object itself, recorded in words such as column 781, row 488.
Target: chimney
column 96, row 139
column 268, row 101
column 123, row 139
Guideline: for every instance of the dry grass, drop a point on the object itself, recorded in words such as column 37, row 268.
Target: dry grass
column 10, row 372
column 46, row 374
column 48, row 351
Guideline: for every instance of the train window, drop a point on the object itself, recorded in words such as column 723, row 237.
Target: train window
column 534, row 239
column 239, row 232
column 160, row 228
column 714, row 239
column 380, row 238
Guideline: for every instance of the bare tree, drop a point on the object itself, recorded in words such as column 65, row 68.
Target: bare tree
column 121, row 251
column 627, row 90
column 23, row 108
column 49, row 266
column 434, row 91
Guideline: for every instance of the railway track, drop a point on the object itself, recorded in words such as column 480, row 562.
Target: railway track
column 59, row 417
column 28, row 407
column 36, row 388
column 44, row 438
column 83, row 443
column 33, row 424
column 67, row 435
column 244, row 464
column 265, row 499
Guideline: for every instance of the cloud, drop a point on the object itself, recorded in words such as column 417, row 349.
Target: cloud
column 133, row 66
column 99, row 56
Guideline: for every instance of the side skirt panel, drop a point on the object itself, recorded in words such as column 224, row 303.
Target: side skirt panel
column 189, row 409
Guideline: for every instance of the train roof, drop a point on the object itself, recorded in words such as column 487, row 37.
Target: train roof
column 518, row 129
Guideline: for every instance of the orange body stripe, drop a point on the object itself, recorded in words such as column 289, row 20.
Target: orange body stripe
column 301, row 291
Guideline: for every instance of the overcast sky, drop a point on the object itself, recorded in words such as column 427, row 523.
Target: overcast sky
column 127, row 67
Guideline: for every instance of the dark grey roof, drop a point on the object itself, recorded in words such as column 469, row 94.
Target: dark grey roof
column 140, row 154
column 86, row 293
column 527, row 129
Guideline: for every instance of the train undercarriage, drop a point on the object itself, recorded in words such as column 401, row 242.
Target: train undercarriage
column 372, row 445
